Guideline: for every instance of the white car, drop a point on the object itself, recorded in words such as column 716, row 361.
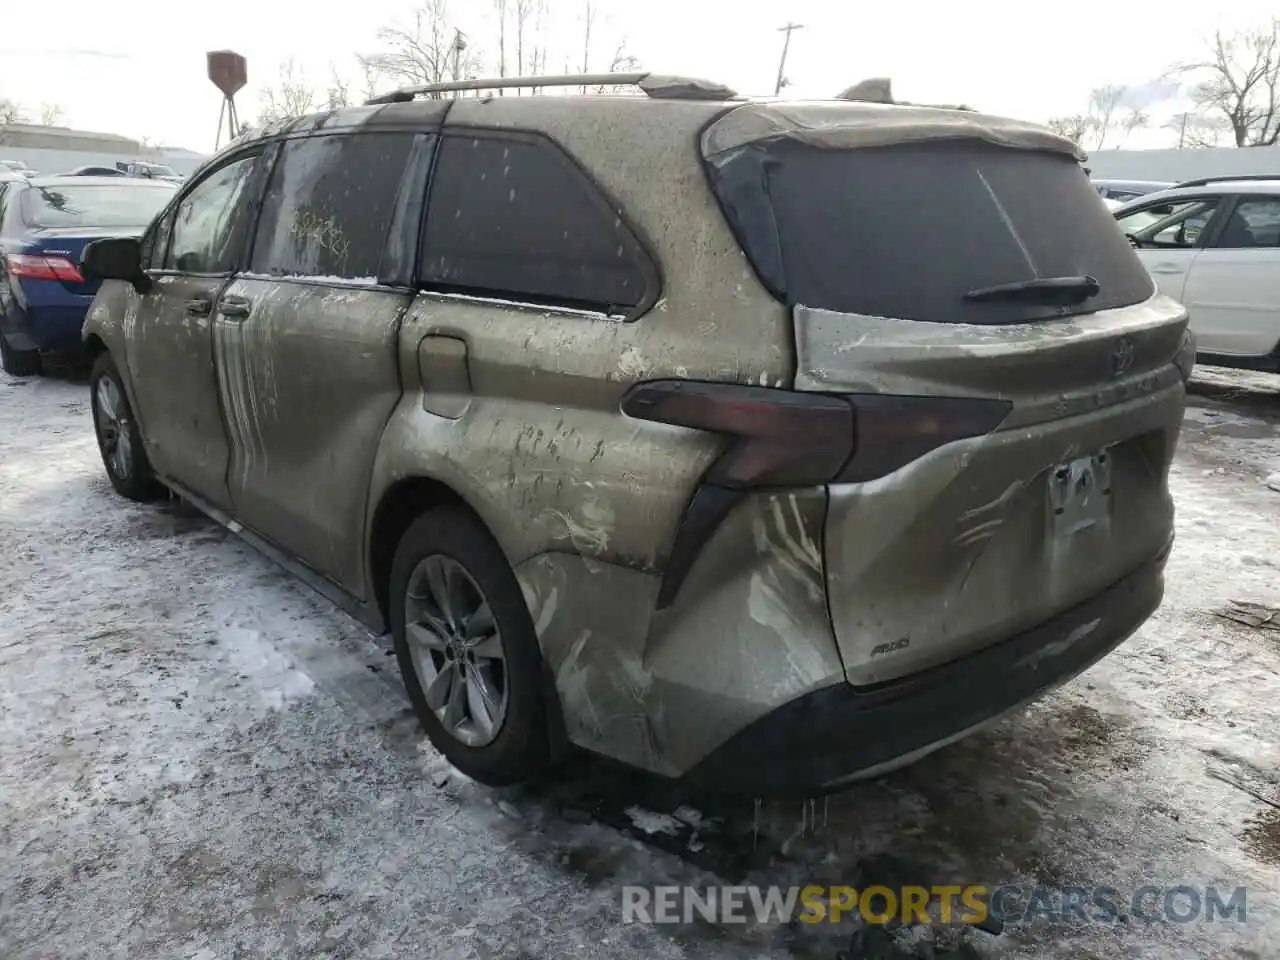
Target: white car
column 1214, row 245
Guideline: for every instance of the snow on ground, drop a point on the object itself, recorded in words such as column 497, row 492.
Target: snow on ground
column 201, row 759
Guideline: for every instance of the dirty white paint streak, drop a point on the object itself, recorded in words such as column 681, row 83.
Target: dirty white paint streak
column 589, row 528
column 632, row 363
column 651, row 823
column 546, row 612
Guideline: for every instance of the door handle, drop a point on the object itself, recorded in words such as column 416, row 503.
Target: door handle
column 1167, row 268
column 199, row 307
column 234, row 308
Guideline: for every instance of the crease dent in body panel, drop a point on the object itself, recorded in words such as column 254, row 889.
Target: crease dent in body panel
column 798, row 558
column 574, row 685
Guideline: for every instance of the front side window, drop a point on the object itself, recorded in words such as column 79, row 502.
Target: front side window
column 1255, row 222
column 515, row 219
column 329, row 206
column 1174, row 224
column 209, row 223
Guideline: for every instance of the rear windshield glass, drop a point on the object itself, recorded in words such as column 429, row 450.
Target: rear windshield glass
column 92, row 205
column 907, row 231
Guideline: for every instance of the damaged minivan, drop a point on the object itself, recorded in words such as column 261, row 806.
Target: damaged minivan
column 763, row 445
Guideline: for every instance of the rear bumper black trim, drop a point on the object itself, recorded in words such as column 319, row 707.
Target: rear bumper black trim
column 839, row 731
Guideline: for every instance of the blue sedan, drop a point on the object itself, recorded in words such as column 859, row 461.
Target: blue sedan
column 45, row 223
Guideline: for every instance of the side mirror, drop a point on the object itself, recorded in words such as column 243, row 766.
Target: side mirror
column 115, row 258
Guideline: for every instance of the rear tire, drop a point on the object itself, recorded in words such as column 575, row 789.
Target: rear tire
column 18, row 363
column 448, row 545
column 119, row 439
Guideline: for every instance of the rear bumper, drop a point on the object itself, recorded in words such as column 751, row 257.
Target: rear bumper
column 49, row 329
column 842, row 732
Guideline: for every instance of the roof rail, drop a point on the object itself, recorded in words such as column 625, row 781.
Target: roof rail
column 657, row 86
column 1243, row 177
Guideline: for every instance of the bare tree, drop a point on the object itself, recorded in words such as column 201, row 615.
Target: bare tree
column 291, row 97
column 52, row 114
column 11, row 112
column 1106, row 113
column 429, row 49
column 1195, row 130
column 500, row 7
column 1104, row 101
column 523, row 11
column 588, row 21
column 1134, row 120
column 1239, row 80
column 1075, row 127
column 369, row 76
column 622, row 62
column 339, row 93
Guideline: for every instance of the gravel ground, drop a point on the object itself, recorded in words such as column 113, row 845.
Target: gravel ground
column 201, row 759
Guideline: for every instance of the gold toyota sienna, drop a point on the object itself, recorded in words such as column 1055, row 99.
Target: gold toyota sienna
column 769, row 445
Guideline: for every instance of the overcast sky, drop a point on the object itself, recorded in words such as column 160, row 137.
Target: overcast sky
column 139, row 70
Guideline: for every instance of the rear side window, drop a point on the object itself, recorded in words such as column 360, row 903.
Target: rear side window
column 1255, row 222
column 516, row 219
column 906, row 231
column 329, row 205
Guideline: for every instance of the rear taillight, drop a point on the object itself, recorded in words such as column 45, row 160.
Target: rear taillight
column 781, row 438
column 35, row 266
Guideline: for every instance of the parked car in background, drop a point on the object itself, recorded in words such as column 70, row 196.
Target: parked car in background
column 17, row 166
column 45, row 223
column 643, row 440
column 1123, row 191
column 149, row 171
column 1214, row 245
column 95, row 171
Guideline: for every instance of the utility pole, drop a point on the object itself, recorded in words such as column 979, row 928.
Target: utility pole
column 786, row 45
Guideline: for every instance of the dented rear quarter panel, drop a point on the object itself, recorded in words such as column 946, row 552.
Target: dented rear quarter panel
column 585, row 501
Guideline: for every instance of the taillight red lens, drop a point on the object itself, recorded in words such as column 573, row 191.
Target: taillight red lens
column 39, row 267
column 783, row 439
column 791, row 439
column 892, row 431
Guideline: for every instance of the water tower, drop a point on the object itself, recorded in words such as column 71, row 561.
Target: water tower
column 229, row 73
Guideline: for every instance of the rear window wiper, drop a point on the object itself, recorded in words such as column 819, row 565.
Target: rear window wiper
column 1055, row 290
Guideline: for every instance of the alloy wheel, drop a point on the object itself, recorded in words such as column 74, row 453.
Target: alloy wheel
column 112, row 422
column 456, row 650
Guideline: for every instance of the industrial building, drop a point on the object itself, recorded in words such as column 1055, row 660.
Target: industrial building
column 59, row 149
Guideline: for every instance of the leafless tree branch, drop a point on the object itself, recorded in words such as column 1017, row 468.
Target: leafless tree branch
column 292, row 95
column 1239, row 80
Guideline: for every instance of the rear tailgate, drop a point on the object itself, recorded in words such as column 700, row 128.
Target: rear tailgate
column 877, row 234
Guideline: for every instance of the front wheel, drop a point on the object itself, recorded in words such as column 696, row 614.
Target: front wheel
column 119, row 440
column 467, row 649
